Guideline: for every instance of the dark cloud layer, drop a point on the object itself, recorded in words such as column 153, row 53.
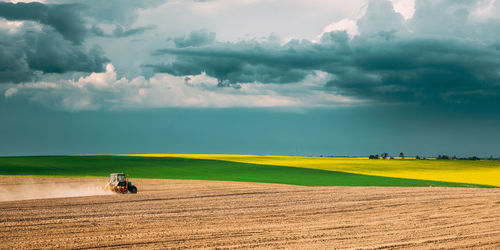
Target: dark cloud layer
column 54, row 47
column 387, row 62
column 119, row 31
column 58, row 43
column 123, row 12
column 253, row 61
column 50, row 54
column 12, row 65
column 29, row 51
column 382, row 67
column 425, row 70
column 64, row 18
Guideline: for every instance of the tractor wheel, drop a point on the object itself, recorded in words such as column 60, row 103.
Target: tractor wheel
column 133, row 190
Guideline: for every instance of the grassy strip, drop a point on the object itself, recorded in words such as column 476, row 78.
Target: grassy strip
column 198, row 169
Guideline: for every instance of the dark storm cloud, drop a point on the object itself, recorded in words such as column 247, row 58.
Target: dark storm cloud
column 123, row 12
column 58, row 46
column 32, row 51
column 381, row 67
column 50, row 54
column 63, row 18
column 252, row 61
column 120, row 32
column 425, row 70
column 13, row 67
column 70, row 17
column 385, row 63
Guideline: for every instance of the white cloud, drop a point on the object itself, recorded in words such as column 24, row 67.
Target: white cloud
column 217, row 6
column 404, row 7
column 25, row 1
column 346, row 24
column 106, row 91
column 10, row 92
column 11, row 26
column 486, row 9
column 100, row 80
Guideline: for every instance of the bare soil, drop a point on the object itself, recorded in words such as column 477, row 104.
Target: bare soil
column 212, row 214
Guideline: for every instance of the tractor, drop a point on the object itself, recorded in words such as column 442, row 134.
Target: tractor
column 120, row 184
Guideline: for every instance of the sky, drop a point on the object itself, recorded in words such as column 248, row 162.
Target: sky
column 271, row 77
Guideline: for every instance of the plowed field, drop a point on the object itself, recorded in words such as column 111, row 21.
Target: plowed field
column 212, row 214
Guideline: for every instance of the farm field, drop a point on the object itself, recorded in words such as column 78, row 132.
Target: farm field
column 220, row 201
column 215, row 214
column 182, row 167
column 461, row 171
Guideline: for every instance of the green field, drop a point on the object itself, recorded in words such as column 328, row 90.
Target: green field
column 484, row 172
column 197, row 169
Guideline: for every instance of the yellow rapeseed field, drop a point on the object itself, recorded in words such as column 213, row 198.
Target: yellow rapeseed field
column 473, row 172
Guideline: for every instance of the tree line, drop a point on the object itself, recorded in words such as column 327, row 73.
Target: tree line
column 386, row 156
column 439, row 157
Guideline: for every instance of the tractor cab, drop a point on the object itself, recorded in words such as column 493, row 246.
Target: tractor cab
column 117, row 179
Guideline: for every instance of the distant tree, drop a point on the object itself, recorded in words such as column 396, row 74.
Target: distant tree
column 491, row 158
column 402, row 155
column 372, row 157
column 392, row 158
column 417, row 157
column 454, row 157
column 443, row 157
column 385, row 155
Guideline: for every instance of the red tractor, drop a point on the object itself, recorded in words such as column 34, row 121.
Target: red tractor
column 120, row 184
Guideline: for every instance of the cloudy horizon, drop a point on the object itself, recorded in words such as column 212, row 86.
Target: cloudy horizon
column 250, row 76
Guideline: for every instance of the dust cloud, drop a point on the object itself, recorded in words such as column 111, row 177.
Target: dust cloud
column 25, row 188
